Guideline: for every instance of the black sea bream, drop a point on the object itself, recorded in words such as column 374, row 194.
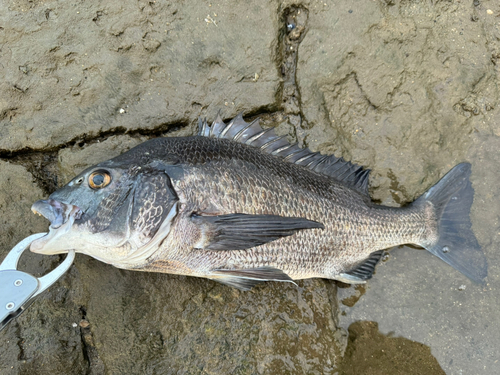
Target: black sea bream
column 239, row 205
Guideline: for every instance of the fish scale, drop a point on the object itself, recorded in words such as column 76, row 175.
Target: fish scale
column 240, row 205
column 349, row 223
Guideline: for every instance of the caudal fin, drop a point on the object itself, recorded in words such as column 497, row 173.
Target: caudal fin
column 457, row 245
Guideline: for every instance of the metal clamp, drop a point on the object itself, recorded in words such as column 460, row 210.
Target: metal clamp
column 17, row 288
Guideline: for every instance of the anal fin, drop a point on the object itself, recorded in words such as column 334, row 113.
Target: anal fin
column 362, row 271
column 246, row 279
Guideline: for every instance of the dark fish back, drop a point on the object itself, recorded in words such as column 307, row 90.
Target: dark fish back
column 201, row 151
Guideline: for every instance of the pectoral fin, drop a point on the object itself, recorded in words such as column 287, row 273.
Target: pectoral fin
column 246, row 279
column 242, row 231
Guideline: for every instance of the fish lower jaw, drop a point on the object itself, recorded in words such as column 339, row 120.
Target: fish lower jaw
column 50, row 243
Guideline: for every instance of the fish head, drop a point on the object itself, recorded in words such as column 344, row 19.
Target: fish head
column 109, row 211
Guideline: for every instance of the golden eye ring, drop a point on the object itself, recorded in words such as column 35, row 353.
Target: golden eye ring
column 99, row 179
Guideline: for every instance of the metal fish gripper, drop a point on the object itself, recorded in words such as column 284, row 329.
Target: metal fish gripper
column 17, row 288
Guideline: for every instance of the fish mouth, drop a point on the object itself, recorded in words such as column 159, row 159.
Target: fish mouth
column 61, row 217
column 56, row 212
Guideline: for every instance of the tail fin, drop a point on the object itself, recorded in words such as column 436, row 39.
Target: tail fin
column 452, row 198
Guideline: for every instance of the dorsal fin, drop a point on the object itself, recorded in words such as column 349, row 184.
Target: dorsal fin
column 252, row 134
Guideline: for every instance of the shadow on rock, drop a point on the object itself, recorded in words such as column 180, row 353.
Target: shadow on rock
column 370, row 352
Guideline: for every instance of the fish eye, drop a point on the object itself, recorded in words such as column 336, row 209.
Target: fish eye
column 99, row 179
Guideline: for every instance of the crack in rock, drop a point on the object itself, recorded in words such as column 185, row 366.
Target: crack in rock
column 95, row 364
column 295, row 24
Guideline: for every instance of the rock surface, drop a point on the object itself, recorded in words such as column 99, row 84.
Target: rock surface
column 42, row 339
column 406, row 88
column 76, row 70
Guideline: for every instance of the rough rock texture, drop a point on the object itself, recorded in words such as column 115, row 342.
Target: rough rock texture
column 73, row 160
column 42, row 339
column 394, row 355
column 76, row 69
column 414, row 294
column 155, row 323
column 407, row 88
column 393, row 85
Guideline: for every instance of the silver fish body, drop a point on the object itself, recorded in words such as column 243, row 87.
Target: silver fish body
column 239, row 205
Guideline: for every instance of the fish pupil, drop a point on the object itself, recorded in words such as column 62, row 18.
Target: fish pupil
column 98, row 179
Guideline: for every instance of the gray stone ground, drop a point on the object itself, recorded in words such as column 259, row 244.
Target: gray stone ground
column 406, row 88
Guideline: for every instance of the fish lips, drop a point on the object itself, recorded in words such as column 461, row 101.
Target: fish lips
column 61, row 217
column 56, row 212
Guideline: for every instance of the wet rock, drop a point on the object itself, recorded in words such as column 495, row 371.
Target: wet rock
column 73, row 160
column 18, row 190
column 42, row 339
column 421, row 298
column 407, row 88
column 186, row 325
column 69, row 69
column 181, row 324
column 370, row 352
column 393, row 88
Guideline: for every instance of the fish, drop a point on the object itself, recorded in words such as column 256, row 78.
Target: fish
column 240, row 205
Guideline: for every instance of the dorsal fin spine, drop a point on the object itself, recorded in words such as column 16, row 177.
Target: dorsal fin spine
column 253, row 135
column 353, row 172
column 258, row 135
column 201, row 126
column 320, row 161
column 226, row 129
column 265, row 146
column 304, row 158
column 211, row 130
column 241, row 132
column 309, row 165
column 289, row 156
column 278, row 150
